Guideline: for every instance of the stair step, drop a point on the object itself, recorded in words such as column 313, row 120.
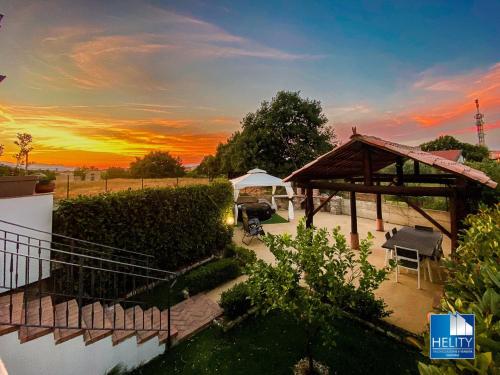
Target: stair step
column 32, row 316
column 6, row 321
column 66, row 314
column 97, row 325
column 151, row 323
column 122, row 320
column 163, row 335
column 193, row 314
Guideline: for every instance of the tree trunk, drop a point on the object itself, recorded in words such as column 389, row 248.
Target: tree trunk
column 309, row 352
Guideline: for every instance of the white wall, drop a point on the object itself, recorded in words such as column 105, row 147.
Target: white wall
column 43, row 357
column 34, row 211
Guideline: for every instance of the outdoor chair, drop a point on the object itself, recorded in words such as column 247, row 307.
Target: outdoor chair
column 252, row 228
column 421, row 227
column 388, row 252
column 409, row 259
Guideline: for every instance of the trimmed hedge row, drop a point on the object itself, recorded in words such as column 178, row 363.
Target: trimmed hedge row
column 211, row 275
column 178, row 226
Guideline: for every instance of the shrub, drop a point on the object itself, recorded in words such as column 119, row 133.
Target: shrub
column 229, row 250
column 178, row 226
column 211, row 275
column 365, row 305
column 236, row 301
column 245, row 256
column 473, row 287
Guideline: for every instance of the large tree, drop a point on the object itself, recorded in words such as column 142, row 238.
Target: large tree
column 447, row 142
column 157, row 164
column 281, row 136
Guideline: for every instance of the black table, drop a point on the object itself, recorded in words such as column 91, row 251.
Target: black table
column 424, row 241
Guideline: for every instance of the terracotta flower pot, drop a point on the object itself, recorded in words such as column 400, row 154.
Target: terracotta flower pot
column 17, row 186
column 45, row 187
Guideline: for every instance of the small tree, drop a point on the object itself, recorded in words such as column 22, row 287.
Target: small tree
column 23, row 142
column 308, row 274
column 157, row 164
column 1, row 149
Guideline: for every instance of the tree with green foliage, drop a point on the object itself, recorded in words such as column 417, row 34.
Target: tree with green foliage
column 492, row 169
column 281, row 136
column 116, row 172
column 157, row 164
column 473, row 287
column 309, row 278
column 447, row 142
column 208, row 167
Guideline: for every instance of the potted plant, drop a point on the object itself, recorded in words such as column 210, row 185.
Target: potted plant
column 45, row 185
column 17, row 186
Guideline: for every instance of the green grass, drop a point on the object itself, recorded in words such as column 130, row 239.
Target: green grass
column 272, row 344
column 275, row 219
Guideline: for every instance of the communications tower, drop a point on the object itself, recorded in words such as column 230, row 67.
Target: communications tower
column 479, row 125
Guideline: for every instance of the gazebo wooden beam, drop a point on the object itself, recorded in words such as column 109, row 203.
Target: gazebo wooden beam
column 428, row 217
column 354, row 222
column 417, row 191
column 317, row 209
column 423, row 178
column 309, row 207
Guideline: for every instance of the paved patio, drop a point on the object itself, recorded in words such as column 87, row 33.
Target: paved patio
column 410, row 305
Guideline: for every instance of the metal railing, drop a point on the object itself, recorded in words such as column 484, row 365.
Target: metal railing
column 42, row 268
column 78, row 245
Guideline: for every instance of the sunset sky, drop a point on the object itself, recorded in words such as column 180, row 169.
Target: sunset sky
column 101, row 82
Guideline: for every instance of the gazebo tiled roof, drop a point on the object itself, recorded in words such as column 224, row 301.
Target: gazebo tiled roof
column 347, row 161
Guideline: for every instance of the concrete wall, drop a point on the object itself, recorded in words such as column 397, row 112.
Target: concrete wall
column 396, row 214
column 34, row 211
column 43, row 357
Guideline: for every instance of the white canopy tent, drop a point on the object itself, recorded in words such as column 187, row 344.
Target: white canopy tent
column 260, row 178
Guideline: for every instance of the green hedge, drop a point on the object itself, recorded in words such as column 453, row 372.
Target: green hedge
column 211, row 275
column 179, row 226
column 236, row 301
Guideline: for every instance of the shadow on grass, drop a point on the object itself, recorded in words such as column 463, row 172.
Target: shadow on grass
column 273, row 344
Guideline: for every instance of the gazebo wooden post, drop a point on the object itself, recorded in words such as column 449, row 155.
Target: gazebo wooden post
column 457, row 212
column 380, row 221
column 309, row 207
column 453, row 223
column 354, row 223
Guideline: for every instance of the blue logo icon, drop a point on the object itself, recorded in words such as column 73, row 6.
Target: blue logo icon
column 452, row 336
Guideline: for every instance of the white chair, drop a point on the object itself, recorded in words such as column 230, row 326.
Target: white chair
column 388, row 252
column 408, row 259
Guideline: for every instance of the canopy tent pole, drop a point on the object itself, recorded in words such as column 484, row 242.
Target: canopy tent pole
column 236, row 195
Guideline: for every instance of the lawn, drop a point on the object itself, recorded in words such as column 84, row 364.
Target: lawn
column 272, row 344
column 96, row 187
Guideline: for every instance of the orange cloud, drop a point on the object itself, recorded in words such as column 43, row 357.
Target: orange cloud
column 82, row 138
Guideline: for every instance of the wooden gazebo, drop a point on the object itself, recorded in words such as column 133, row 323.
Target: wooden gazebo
column 353, row 167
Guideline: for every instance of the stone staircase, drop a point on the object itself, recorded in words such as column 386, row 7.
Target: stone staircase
column 40, row 317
